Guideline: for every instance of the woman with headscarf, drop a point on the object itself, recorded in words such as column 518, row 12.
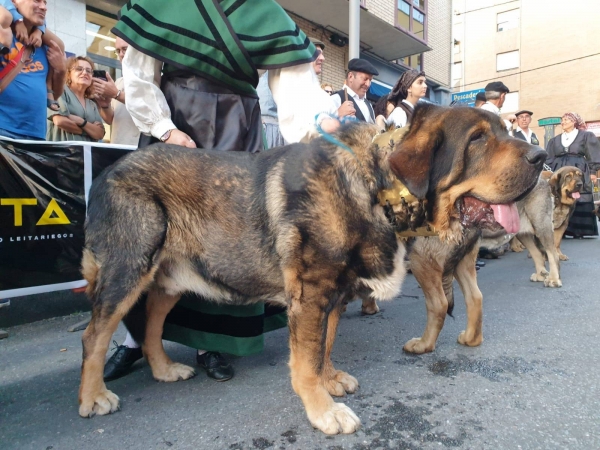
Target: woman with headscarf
column 580, row 148
column 408, row 90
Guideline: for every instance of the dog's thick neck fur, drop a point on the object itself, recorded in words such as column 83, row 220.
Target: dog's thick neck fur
column 368, row 162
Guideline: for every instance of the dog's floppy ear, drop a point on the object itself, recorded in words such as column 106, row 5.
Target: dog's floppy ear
column 412, row 158
column 555, row 184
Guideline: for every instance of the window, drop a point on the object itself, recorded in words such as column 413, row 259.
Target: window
column 456, row 47
column 507, row 61
column 456, row 71
column 511, row 103
column 412, row 17
column 412, row 61
column 508, row 20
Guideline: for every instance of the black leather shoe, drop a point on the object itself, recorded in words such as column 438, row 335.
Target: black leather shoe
column 480, row 263
column 216, row 365
column 120, row 362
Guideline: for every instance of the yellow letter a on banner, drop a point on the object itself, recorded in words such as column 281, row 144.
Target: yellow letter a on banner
column 60, row 219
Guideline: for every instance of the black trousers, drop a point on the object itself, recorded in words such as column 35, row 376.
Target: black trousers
column 214, row 116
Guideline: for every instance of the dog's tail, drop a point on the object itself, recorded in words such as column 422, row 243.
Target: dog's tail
column 447, row 283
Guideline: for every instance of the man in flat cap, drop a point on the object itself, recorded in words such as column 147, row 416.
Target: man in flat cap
column 480, row 99
column 495, row 94
column 523, row 132
column 352, row 100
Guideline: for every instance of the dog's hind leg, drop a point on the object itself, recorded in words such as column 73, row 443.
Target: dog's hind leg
column 308, row 320
column 538, row 258
column 429, row 274
column 163, row 369
column 337, row 382
column 94, row 398
column 466, row 275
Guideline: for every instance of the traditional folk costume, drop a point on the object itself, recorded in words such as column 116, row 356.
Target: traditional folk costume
column 210, row 53
column 581, row 149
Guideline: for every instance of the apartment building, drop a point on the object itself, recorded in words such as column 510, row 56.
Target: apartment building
column 394, row 35
column 545, row 51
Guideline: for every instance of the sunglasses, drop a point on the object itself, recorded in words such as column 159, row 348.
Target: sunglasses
column 328, row 91
column 82, row 69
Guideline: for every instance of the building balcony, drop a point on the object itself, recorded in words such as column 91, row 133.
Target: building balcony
column 376, row 35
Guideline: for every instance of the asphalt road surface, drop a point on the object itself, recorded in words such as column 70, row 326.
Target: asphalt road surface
column 532, row 384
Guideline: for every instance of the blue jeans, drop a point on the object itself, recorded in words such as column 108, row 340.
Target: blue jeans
column 13, row 135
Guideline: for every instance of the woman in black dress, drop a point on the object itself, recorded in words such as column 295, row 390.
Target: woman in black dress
column 580, row 148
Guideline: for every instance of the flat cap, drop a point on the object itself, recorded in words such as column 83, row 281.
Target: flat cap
column 480, row 97
column 362, row 65
column 523, row 111
column 317, row 43
column 497, row 86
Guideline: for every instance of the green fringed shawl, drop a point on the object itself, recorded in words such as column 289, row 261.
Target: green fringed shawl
column 224, row 41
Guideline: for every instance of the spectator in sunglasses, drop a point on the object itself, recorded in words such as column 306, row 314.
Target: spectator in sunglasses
column 327, row 88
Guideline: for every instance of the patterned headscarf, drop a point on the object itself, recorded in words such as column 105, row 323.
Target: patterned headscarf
column 577, row 120
column 400, row 90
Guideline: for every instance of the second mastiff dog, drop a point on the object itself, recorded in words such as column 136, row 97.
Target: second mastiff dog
column 298, row 226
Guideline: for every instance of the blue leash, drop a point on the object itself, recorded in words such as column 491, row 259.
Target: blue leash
column 329, row 138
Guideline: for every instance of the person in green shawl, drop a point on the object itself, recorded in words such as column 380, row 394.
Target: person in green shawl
column 190, row 74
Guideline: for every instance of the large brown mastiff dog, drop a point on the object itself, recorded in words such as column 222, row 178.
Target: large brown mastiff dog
column 298, row 226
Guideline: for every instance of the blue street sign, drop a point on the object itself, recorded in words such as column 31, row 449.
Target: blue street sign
column 466, row 97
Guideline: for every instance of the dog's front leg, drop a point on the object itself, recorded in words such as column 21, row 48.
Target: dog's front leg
column 369, row 305
column 337, row 382
column 466, row 275
column 308, row 320
column 429, row 275
column 558, row 235
column 163, row 369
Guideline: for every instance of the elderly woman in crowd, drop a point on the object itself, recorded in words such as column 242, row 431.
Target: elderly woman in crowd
column 580, row 148
column 78, row 118
column 408, row 90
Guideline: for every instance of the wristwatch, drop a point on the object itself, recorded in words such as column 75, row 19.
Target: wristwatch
column 118, row 94
column 165, row 137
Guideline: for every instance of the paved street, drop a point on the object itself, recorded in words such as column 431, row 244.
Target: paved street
column 533, row 384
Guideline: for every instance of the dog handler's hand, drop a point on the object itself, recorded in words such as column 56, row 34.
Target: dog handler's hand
column 178, row 137
column 330, row 125
column 346, row 109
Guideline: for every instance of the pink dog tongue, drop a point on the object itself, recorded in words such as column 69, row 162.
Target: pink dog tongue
column 575, row 195
column 507, row 215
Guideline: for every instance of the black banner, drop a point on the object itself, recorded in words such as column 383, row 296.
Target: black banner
column 43, row 193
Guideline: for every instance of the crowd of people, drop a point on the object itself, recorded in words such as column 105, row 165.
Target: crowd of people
column 169, row 96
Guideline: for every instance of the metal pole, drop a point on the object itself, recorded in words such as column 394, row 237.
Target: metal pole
column 354, row 32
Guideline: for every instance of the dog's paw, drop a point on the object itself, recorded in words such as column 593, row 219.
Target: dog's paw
column 174, row 372
column 470, row 342
column 563, row 257
column 418, row 346
column 102, row 404
column 341, row 384
column 369, row 308
column 552, row 283
column 337, row 419
column 539, row 276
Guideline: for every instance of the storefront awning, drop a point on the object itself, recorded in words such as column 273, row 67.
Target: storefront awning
column 376, row 35
column 378, row 89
